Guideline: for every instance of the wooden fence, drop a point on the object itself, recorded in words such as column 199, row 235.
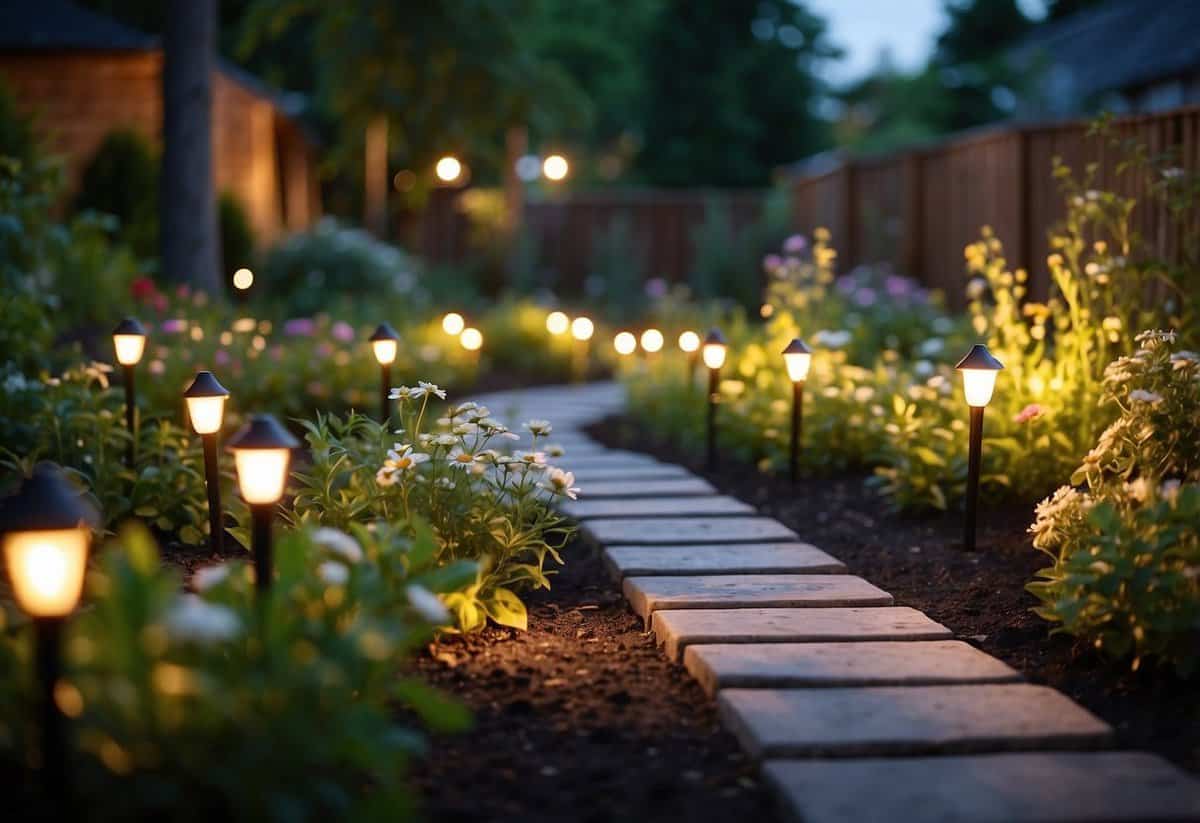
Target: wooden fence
column 918, row 209
column 566, row 234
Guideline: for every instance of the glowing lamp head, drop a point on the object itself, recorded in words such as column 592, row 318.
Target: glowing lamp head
column 652, row 340
column 798, row 358
column 689, row 341
column 714, row 349
column 47, row 528
column 471, row 339
column 979, row 369
column 129, row 340
column 206, row 403
column 262, row 451
column 557, row 322
column 453, row 323
column 243, row 279
column 385, row 341
column 582, row 328
column 448, row 169
column 555, row 167
column 625, row 343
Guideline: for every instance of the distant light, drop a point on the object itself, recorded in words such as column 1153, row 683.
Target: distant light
column 243, row 279
column 471, row 339
column 625, row 343
column 405, row 180
column 689, row 341
column 453, row 323
column 557, row 322
column 652, row 340
column 529, row 167
column 555, row 167
column 582, row 328
column 766, row 310
column 448, row 169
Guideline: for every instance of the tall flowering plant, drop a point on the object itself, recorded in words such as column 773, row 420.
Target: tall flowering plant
column 1123, row 542
column 455, row 474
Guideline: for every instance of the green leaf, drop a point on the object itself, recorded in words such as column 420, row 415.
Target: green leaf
column 506, row 608
column 441, row 712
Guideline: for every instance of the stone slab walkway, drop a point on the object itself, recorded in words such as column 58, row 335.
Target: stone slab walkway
column 861, row 711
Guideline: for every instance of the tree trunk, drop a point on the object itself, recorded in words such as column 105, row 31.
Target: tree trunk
column 375, row 176
column 191, row 250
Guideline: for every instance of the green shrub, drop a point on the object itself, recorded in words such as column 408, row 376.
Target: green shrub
column 229, row 705
column 121, row 180
column 1125, row 548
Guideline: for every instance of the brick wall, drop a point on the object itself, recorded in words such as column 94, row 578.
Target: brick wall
column 79, row 98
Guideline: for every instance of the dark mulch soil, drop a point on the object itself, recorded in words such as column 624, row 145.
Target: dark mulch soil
column 580, row 718
column 979, row 595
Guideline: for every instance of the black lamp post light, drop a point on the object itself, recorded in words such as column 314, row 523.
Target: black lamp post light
column 206, row 409
column 47, row 529
column 385, row 342
column 262, row 451
column 713, row 353
column 979, row 369
column 129, row 341
column 798, row 358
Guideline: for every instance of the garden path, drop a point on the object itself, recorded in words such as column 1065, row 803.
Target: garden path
column 859, row 710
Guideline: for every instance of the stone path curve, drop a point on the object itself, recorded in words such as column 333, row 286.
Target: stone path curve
column 858, row 710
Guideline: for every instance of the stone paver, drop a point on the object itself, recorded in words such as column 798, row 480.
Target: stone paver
column 731, row 591
column 630, row 476
column 736, row 558
column 872, row 663
column 1026, row 787
column 677, row 629
column 680, row 487
column 908, row 720
column 677, row 531
column 713, row 506
column 608, row 460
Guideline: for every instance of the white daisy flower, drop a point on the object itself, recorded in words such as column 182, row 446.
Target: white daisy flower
column 555, row 450
column 427, row 604
column 339, row 543
column 538, row 428
column 427, row 389
column 205, row 578
column 462, row 458
column 534, row 461
column 562, row 482
column 195, row 619
column 445, row 440
column 402, row 458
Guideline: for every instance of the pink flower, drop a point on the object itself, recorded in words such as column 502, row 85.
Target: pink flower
column 771, row 262
column 174, row 326
column 865, row 297
column 1031, row 412
column 323, row 350
column 183, row 290
column 795, row 244
column 342, row 331
column 299, row 327
column 221, row 357
column 157, row 367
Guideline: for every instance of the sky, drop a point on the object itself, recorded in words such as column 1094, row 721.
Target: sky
column 863, row 28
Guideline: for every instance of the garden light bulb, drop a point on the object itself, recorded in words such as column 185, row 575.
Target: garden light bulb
column 555, row 167
column 448, row 169
column 978, row 385
column 453, row 323
column 625, row 343
column 582, row 328
column 243, row 279
column 714, row 350
column 129, row 348
column 471, row 339
column 262, row 473
column 46, row 569
column 385, row 351
column 689, row 341
column 652, row 340
column 206, row 413
column 557, row 322
column 798, row 359
column 979, row 370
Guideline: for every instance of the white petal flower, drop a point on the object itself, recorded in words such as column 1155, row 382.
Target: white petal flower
column 431, row 388
column 208, row 576
column 427, row 604
column 192, row 618
column 339, row 543
column 539, row 428
column 335, row 574
column 562, row 482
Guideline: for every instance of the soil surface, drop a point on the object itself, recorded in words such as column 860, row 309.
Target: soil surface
column 979, row 595
column 580, row 718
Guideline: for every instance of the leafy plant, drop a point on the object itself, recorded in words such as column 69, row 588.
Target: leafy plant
column 1125, row 550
